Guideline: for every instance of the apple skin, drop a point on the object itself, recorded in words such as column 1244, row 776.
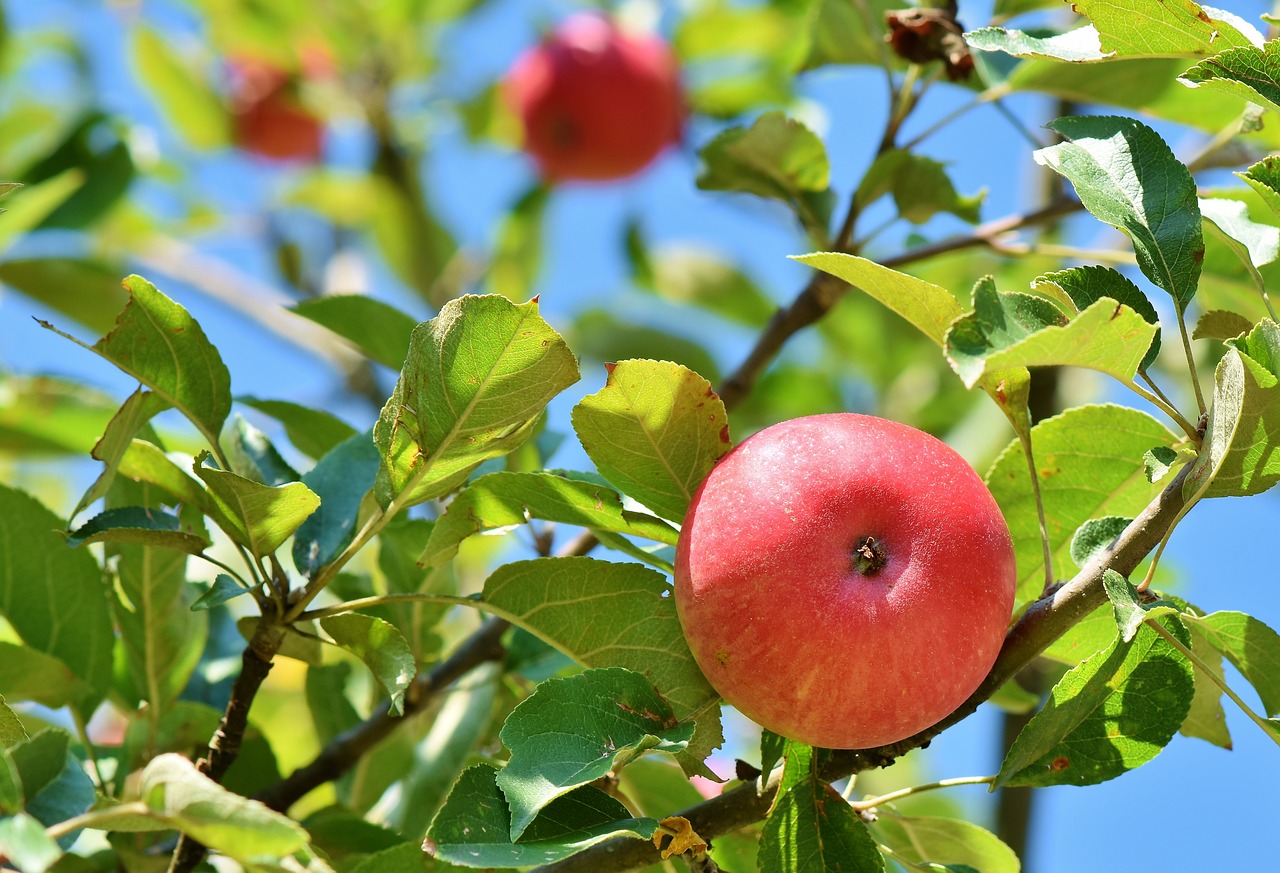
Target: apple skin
column 785, row 627
column 596, row 103
column 268, row 118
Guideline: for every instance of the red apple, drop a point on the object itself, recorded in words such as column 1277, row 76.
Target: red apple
column 269, row 119
column 844, row 580
column 596, row 103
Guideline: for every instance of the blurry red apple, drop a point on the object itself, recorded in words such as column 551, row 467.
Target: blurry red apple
column 269, row 119
column 844, row 580
column 596, row 103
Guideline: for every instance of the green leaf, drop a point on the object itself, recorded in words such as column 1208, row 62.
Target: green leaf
column 10, row 781
column 929, row 308
column 1158, row 461
column 462, row 722
column 140, row 407
column 945, row 841
column 1129, row 607
column 46, row 589
column 382, row 648
column 94, row 144
column 1112, row 713
column 1264, row 178
column 1237, row 456
column 920, row 187
column 162, row 640
column 186, row 99
column 1018, row 330
column 1095, row 535
column 313, row 432
column 28, row 211
column 686, row 274
column 257, row 516
column 572, row 731
column 44, row 415
column 1248, row 72
column 607, row 336
column 475, row 381
column 1143, row 85
column 811, row 828
column 341, row 479
column 224, row 588
column 1178, row 29
column 146, row 463
column 1080, row 478
column 777, row 157
column 517, row 255
column 473, row 829
column 633, row 620
column 1206, row 719
column 501, row 499
column 54, row 785
column 1091, row 634
column 139, row 525
column 657, row 787
column 379, row 330
column 1254, row 244
column 158, row 343
column 772, row 749
column 193, row 803
column 86, row 290
column 1127, row 176
column 655, row 430
column 1250, row 646
column 251, row 455
column 25, row 844
column 11, row 729
column 1079, row 287
column 1221, row 324
column 1013, row 698
column 28, row 674
column 405, row 858
column 1080, row 45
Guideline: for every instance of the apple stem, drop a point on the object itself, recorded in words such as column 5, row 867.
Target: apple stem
column 869, row 557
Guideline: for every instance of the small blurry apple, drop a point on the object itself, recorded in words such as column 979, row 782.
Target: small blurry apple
column 844, row 580
column 269, row 119
column 596, row 102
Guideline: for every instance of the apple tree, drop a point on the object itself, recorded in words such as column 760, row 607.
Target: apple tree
column 418, row 613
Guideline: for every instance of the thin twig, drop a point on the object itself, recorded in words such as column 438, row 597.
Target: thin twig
column 824, row 290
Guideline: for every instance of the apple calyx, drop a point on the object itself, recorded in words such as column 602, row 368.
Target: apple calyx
column 869, row 557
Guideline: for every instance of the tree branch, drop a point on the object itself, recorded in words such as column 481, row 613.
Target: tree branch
column 1042, row 623
column 824, row 291
column 225, row 745
column 346, row 749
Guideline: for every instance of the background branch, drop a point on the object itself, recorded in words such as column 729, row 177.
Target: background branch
column 346, row 749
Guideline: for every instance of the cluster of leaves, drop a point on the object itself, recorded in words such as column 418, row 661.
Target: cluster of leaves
column 583, row 728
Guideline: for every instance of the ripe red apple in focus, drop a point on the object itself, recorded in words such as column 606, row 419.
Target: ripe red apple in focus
column 596, row 102
column 844, row 580
column 269, row 119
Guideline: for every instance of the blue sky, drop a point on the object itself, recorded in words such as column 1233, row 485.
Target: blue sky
column 1221, row 801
